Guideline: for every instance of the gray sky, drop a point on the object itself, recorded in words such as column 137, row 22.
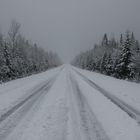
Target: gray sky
column 70, row 26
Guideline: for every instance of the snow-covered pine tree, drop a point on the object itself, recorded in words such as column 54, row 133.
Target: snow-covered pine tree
column 2, row 61
column 109, row 65
column 103, row 63
column 20, row 57
column 8, row 67
column 137, row 46
column 124, row 66
column 120, row 62
column 98, row 63
column 105, row 40
column 121, row 40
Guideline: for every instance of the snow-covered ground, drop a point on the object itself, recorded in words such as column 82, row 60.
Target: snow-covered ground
column 14, row 91
column 128, row 92
column 68, row 103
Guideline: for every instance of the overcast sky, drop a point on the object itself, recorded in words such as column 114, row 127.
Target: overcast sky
column 70, row 26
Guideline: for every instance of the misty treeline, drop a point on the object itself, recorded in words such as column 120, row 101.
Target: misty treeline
column 120, row 59
column 20, row 57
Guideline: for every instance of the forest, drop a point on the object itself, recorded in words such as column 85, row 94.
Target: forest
column 20, row 57
column 117, row 58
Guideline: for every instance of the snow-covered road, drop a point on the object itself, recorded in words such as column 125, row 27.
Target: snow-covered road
column 67, row 103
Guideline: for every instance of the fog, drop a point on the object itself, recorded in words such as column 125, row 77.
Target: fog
column 70, row 26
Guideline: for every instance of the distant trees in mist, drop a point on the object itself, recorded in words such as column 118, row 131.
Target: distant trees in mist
column 20, row 57
column 120, row 59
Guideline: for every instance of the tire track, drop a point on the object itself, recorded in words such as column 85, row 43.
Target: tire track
column 10, row 119
column 89, row 125
column 132, row 112
column 13, row 109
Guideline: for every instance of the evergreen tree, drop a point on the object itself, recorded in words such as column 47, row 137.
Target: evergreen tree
column 121, row 60
column 8, row 67
column 137, row 45
column 123, row 67
column 133, row 42
column 109, row 65
column 105, row 40
column 98, row 65
column 121, row 40
column 103, row 63
column 19, row 57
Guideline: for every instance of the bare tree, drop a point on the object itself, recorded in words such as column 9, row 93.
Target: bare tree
column 14, row 32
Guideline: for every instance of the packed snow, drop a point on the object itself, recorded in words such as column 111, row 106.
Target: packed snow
column 68, row 107
column 128, row 92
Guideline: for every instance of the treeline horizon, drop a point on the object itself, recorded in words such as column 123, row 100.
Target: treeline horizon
column 116, row 58
column 19, row 57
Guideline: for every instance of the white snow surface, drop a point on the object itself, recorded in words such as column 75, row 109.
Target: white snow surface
column 14, row 91
column 127, row 91
column 70, row 109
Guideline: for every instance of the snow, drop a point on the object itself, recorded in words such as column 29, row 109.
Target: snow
column 48, row 122
column 14, row 91
column 115, row 122
column 70, row 109
column 128, row 92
